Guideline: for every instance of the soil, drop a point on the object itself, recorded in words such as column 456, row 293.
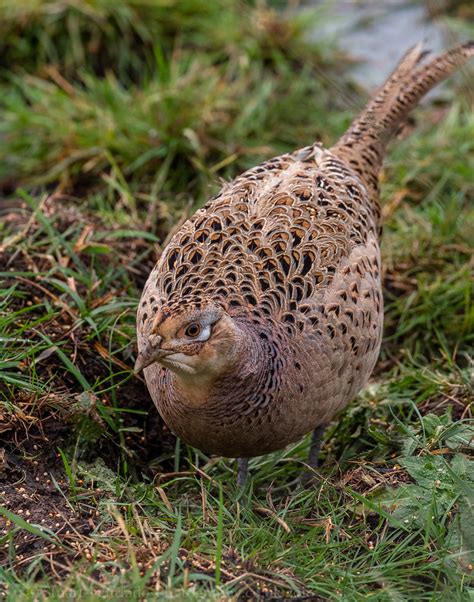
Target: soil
column 33, row 486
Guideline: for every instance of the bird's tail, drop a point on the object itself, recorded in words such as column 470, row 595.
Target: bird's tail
column 363, row 144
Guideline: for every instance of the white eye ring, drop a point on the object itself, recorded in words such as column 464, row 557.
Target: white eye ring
column 205, row 333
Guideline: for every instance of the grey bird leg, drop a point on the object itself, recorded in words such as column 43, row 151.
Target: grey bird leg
column 316, row 441
column 308, row 476
column 242, row 472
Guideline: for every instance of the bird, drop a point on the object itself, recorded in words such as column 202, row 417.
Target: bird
column 263, row 317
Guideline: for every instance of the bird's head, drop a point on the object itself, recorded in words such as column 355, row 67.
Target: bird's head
column 195, row 340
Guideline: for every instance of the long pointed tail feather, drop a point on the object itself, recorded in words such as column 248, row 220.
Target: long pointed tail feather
column 363, row 145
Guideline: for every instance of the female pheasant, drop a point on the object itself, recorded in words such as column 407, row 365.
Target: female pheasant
column 263, row 317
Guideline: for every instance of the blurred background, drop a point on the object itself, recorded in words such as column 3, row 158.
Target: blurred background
column 159, row 82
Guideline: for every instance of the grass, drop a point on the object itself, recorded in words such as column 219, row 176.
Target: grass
column 118, row 119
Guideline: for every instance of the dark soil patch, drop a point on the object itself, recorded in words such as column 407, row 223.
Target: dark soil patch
column 33, row 482
column 33, row 487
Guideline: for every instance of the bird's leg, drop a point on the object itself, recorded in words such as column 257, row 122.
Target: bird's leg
column 242, row 471
column 316, row 441
column 313, row 456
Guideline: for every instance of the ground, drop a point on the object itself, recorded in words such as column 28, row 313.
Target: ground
column 117, row 121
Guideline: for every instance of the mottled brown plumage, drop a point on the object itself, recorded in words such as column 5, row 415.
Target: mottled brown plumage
column 263, row 316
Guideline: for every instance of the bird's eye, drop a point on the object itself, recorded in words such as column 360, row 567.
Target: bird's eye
column 193, row 330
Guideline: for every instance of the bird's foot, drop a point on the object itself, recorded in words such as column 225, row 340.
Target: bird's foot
column 308, row 478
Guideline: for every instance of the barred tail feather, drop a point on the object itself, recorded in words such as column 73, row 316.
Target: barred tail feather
column 363, row 144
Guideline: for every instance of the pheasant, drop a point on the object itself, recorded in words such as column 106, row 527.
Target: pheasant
column 263, row 317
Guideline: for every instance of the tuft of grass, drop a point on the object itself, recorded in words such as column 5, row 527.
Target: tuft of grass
column 132, row 38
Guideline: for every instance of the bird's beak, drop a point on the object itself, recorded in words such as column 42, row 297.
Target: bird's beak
column 144, row 359
column 149, row 355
